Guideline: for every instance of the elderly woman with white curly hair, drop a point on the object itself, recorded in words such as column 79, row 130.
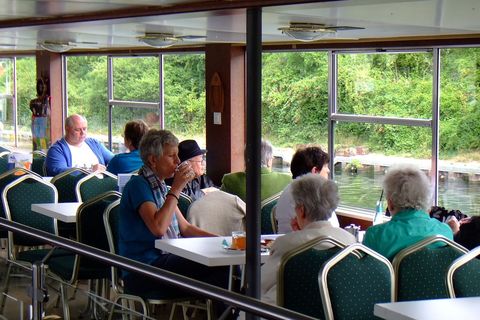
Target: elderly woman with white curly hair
column 408, row 195
column 315, row 199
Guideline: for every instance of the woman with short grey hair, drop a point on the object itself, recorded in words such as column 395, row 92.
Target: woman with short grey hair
column 408, row 196
column 319, row 197
column 407, row 187
column 315, row 199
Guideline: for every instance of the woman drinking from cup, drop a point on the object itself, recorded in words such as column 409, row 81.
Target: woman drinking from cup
column 150, row 212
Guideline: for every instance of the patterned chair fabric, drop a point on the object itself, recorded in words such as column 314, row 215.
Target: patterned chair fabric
column 66, row 182
column 111, row 219
column 90, row 231
column 95, row 184
column 297, row 285
column 38, row 164
column 421, row 271
column 184, row 202
column 268, row 223
column 4, row 161
column 463, row 277
column 353, row 281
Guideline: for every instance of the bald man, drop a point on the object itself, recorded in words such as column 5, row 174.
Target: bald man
column 76, row 150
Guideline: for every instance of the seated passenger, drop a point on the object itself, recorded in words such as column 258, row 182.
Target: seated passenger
column 315, row 199
column 218, row 212
column 305, row 160
column 188, row 150
column 466, row 231
column 271, row 182
column 75, row 150
column 129, row 161
column 149, row 212
column 408, row 194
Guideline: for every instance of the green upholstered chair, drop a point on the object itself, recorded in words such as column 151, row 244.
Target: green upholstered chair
column 94, row 184
column 353, row 281
column 90, row 231
column 463, row 276
column 4, row 161
column 268, row 222
column 17, row 198
column 66, row 182
column 38, row 163
column 421, row 269
column 111, row 220
column 184, row 202
column 297, row 279
column 6, row 178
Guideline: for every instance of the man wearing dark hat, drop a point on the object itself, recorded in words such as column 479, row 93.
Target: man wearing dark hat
column 188, row 150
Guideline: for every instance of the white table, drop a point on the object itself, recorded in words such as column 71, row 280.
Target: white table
column 439, row 309
column 63, row 211
column 208, row 251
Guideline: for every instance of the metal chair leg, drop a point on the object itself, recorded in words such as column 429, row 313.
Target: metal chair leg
column 5, row 288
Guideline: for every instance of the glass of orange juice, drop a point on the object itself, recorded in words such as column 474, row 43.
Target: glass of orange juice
column 239, row 240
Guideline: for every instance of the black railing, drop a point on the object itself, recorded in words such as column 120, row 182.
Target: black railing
column 236, row 300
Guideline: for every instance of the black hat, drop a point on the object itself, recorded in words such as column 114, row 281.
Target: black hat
column 188, row 149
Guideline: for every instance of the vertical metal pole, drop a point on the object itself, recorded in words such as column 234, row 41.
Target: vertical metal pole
column 38, row 297
column 332, row 107
column 161, row 106
column 110, row 98
column 14, row 101
column 253, row 149
column 64, row 90
column 435, row 123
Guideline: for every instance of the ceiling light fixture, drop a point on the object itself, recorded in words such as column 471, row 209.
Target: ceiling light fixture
column 57, row 47
column 159, row 40
column 306, row 31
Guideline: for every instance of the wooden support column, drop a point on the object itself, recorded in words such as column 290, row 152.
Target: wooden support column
column 225, row 109
column 49, row 65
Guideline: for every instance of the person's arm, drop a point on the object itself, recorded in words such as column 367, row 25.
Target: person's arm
column 56, row 160
column 158, row 220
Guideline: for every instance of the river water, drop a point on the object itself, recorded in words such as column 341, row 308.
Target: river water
column 363, row 189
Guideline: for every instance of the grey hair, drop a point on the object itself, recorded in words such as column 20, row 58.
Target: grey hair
column 266, row 152
column 153, row 141
column 69, row 119
column 406, row 186
column 318, row 196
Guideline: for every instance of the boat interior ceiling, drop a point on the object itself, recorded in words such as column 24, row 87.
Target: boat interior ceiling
column 112, row 25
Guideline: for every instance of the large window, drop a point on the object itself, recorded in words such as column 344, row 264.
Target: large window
column 17, row 88
column 166, row 90
column 459, row 177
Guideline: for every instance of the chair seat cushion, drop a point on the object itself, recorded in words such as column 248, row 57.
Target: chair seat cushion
column 63, row 267
column 38, row 254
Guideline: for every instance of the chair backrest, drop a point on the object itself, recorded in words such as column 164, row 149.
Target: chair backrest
column 18, row 197
column 268, row 223
column 184, row 202
column 91, row 229
column 421, row 269
column 65, row 183
column 353, row 281
column 463, row 276
column 111, row 218
column 94, row 184
column 38, row 163
column 297, row 279
column 4, row 161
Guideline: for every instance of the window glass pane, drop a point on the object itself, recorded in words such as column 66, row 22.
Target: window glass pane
column 184, row 95
column 393, row 85
column 87, row 92
column 26, row 91
column 6, row 76
column 136, row 79
column 7, row 127
column 121, row 115
column 459, row 186
column 295, row 98
column 364, row 151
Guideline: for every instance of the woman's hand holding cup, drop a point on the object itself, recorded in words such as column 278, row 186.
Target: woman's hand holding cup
column 183, row 174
